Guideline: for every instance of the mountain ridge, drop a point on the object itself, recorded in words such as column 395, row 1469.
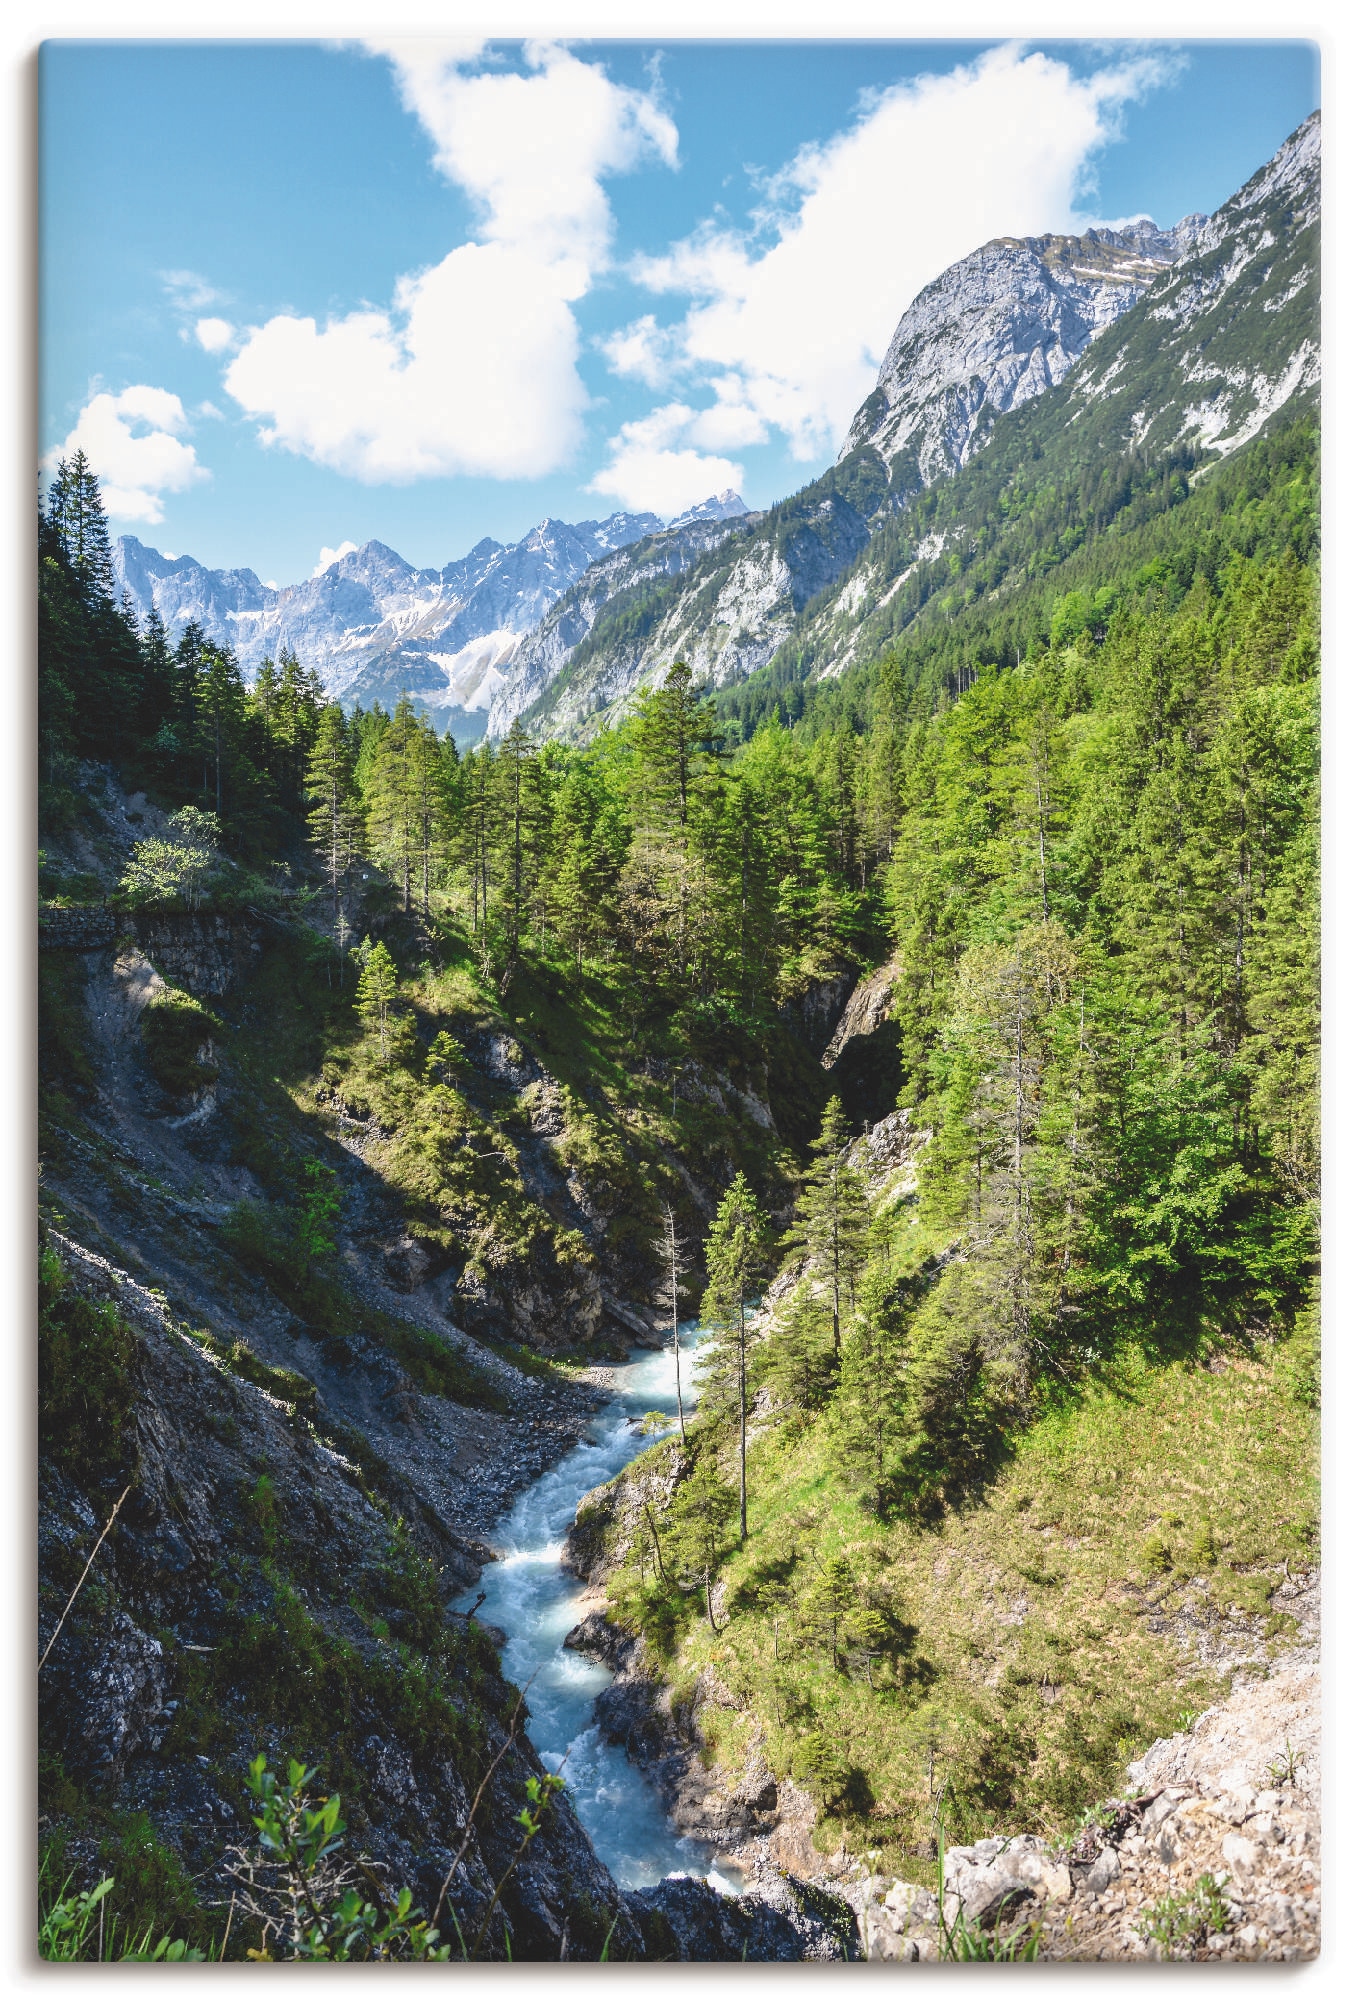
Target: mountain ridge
column 1242, row 343
column 374, row 625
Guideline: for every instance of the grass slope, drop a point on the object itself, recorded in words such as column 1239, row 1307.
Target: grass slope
column 1002, row 1664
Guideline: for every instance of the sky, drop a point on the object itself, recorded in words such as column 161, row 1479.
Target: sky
column 298, row 295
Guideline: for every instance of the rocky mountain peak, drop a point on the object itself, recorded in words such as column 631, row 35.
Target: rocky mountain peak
column 1002, row 325
column 718, row 507
column 372, row 625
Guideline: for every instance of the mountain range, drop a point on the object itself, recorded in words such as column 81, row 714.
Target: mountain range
column 1093, row 358
column 372, row 625
column 1113, row 348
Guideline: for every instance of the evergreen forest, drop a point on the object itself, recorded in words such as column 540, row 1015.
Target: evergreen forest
column 1069, row 1340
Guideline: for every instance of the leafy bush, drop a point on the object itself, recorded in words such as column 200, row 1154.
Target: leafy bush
column 173, row 870
column 85, row 1388
column 177, row 1035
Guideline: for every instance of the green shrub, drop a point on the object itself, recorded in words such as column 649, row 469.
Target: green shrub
column 85, row 1389
column 177, row 1035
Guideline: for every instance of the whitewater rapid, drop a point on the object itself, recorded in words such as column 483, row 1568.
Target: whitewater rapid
column 536, row 1601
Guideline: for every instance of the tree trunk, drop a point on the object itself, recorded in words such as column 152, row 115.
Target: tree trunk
column 741, row 1391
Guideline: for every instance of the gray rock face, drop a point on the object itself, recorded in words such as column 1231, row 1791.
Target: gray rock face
column 1003, row 325
column 780, row 1920
column 1200, row 355
column 545, row 651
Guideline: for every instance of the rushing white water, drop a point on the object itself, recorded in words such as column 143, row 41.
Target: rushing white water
column 535, row 1601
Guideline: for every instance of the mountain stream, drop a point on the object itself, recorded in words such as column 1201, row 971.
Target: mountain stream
column 536, row 1601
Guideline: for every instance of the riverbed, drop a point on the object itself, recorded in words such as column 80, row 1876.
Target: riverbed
column 535, row 1602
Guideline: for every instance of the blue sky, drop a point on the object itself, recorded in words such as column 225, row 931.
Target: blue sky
column 301, row 294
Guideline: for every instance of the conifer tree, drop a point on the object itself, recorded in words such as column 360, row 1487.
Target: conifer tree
column 393, row 800
column 869, row 1402
column 736, row 1249
column 522, row 821
column 797, row 1359
column 478, row 823
column 831, row 1219
column 333, row 822
column 376, row 993
column 671, row 1249
column 221, row 710
column 698, row 1523
column 672, row 732
column 75, row 507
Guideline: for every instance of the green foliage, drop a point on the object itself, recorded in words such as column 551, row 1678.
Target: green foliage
column 828, row 1241
column 86, row 1354
column 177, row 1033
column 376, row 993
column 1181, row 1921
column 309, row 1904
column 71, row 1928
column 175, row 870
column 318, row 1208
column 736, row 1251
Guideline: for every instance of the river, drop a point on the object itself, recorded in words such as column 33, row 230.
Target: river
column 536, row 1601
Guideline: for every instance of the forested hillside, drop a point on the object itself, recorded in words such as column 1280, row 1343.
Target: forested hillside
column 462, row 1028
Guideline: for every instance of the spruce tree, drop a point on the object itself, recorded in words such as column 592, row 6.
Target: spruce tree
column 522, row 823
column 870, row 1402
column 831, row 1220
column 392, row 799
column 333, row 822
column 75, row 507
column 221, row 708
column 797, row 1359
column 376, row 993
column 736, row 1249
column 698, row 1523
column 671, row 1250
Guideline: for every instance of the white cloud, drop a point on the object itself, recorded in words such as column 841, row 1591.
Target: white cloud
column 473, row 367
column 730, row 422
column 646, row 352
column 647, row 471
column 189, row 290
column 214, row 334
column 329, row 556
column 134, row 447
column 532, row 150
column 932, row 169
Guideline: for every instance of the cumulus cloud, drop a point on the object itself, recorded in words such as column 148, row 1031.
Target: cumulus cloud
column 800, row 309
column 329, row 556
column 472, row 369
column 134, row 445
column 644, row 351
column 653, row 467
column 214, row 334
column 532, row 150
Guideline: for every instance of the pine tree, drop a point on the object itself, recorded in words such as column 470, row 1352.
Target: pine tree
column 333, row 822
column 221, row 710
column 870, row 1401
column 698, row 1524
column 672, row 733
column 522, row 822
column 75, row 507
column 377, row 989
column 831, row 1219
column 478, row 821
column 797, row 1359
column 393, row 800
column 736, row 1249
column 670, row 1248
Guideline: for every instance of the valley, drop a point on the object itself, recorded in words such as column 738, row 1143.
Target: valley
column 863, row 954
